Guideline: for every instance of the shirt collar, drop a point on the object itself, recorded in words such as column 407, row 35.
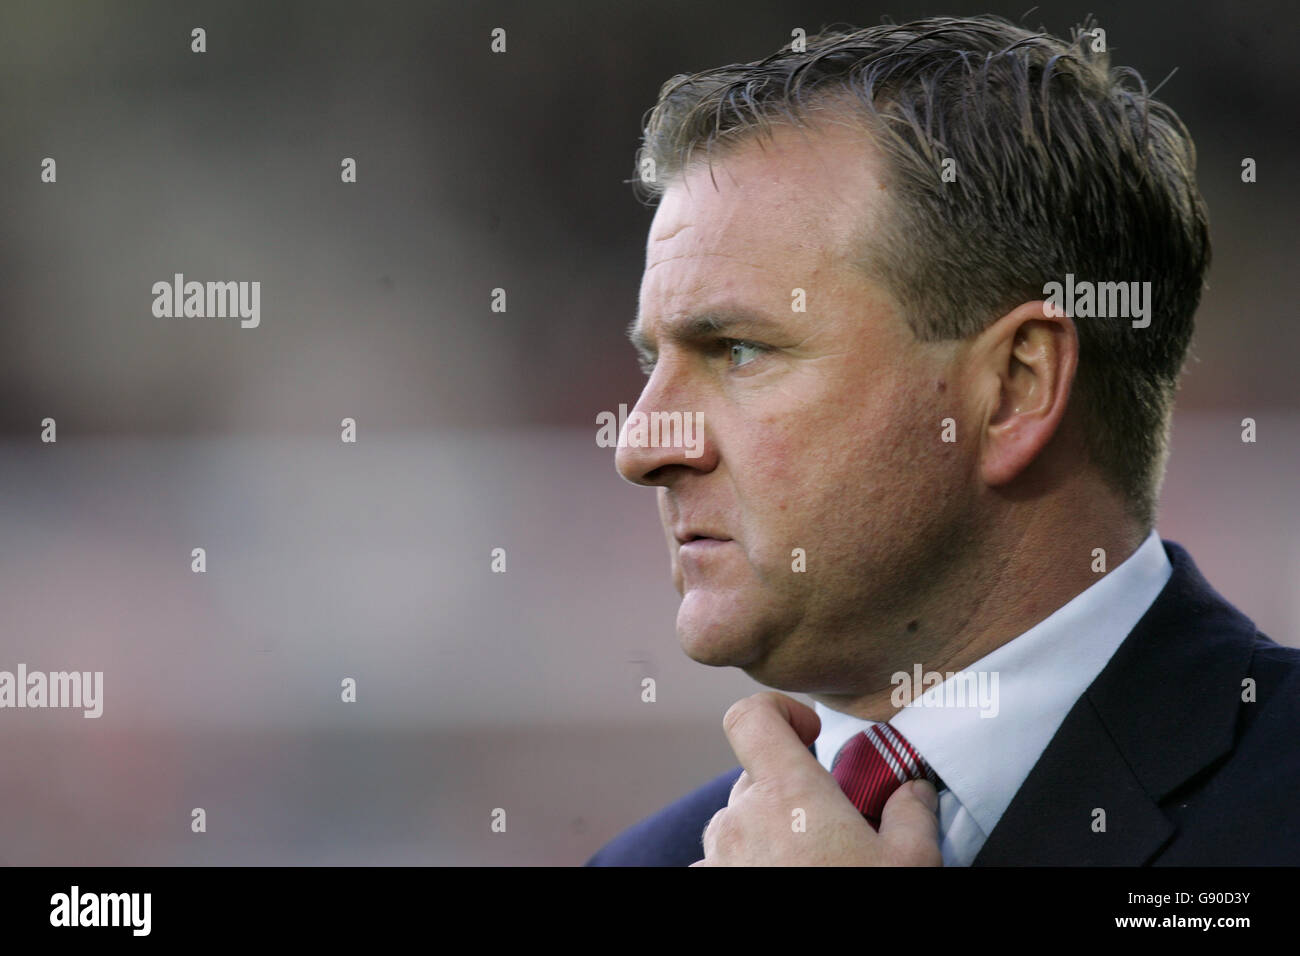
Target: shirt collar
column 1036, row 678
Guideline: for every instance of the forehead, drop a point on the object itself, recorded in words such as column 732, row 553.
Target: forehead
column 782, row 204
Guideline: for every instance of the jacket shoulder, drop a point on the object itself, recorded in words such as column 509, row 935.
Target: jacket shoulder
column 671, row 837
column 1271, row 712
column 1242, row 812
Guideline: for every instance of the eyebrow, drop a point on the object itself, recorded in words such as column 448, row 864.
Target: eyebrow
column 710, row 323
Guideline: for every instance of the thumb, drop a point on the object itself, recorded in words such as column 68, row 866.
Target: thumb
column 770, row 734
column 909, row 825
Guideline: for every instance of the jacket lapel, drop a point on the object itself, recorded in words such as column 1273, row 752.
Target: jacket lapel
column 1163, row 708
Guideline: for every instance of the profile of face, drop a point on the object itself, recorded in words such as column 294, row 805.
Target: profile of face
column 821, row 425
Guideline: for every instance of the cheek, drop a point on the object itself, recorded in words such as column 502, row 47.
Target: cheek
column 824, row 475
column 775, row 457
column 780, row 488
column 808, row 467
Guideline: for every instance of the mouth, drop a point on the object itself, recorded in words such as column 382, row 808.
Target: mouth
column 700, row 540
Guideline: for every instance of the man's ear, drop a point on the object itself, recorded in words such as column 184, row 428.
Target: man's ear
column 1024, row 364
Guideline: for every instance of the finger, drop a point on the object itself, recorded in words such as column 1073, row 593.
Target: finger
column 909, row 824
column 770, row 734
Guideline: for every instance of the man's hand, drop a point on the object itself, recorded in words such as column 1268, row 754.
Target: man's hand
column 786, row 810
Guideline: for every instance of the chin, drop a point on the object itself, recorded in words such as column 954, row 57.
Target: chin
column 712, row 629
column 722, row 629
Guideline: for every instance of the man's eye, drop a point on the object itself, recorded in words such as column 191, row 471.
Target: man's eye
column 738, row 350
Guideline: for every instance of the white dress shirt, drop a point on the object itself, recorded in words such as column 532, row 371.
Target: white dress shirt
column 1040, row 675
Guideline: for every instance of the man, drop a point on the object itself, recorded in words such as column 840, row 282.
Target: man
column 927, row 451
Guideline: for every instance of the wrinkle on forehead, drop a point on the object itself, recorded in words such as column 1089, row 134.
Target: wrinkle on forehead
column 681, row 228
column 703, row 255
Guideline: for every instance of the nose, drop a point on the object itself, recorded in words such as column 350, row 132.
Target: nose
column 665, row 436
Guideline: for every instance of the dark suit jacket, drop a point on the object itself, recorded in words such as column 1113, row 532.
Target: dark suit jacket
column 1187, row 772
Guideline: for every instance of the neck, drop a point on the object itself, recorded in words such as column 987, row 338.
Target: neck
column 1040, row 562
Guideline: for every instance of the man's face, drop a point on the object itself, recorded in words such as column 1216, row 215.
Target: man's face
column 821, row 427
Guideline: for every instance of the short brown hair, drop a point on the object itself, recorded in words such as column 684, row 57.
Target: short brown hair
column 1065, row 165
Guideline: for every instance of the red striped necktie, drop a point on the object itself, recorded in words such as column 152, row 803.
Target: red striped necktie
column 875, row 763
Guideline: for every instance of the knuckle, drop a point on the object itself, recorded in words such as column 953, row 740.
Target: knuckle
column 710, row 828
column 728, row 835
column 736, row 713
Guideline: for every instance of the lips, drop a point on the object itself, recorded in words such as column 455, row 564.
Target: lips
column 689, row 536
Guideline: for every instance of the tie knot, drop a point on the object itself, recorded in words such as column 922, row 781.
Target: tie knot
column 875, row 763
